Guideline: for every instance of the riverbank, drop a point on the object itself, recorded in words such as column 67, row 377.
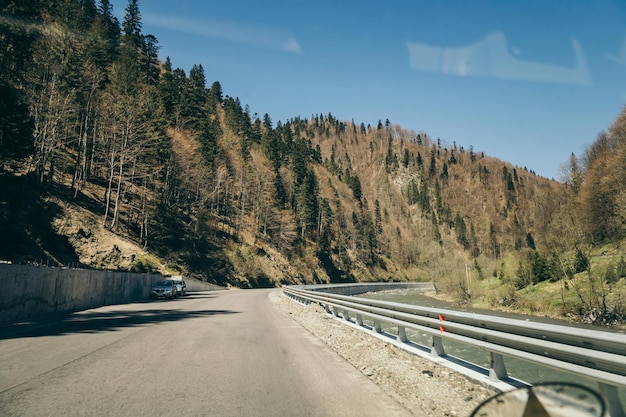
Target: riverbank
column 423, row 387
column 552, row 300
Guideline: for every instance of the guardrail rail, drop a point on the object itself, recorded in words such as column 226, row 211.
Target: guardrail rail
column 594, row 354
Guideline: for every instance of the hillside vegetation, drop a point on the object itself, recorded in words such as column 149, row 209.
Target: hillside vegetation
column 111, row 158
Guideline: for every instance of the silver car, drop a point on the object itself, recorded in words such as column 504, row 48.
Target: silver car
column 165, row 288
column 181, row 287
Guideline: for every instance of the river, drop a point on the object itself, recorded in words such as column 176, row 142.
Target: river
column 519, row 369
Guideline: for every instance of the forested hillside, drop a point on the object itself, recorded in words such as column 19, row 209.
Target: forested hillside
column 111, row 157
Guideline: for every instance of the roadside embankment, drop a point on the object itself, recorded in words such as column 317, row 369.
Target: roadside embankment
column 423, row 387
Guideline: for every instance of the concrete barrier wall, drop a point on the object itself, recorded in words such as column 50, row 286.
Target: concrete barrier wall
column 197, row 285
column 32, row 291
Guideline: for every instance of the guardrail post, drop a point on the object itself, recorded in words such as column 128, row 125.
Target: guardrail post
column 346, row 315
column 402, row 334
column 377, row 327
column 359, row 319
column 609, row 392
column 437, row 349
column 497, row 369
column 336, row 311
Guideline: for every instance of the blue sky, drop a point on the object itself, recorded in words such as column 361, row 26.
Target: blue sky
column 528, row 82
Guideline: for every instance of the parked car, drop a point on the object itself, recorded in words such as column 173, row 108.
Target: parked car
column 181, row 287
column 165, row 288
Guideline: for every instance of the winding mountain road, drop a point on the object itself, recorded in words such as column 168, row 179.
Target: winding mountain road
column 222, row 353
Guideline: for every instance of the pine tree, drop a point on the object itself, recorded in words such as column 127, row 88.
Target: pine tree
column 378, row 218
column 530, row 241
column 168, row 91
column 407, row 158
column 432, row 169
column 194, row 104
column 215, row 92
column 389, row 158
column 461, row 231
column 444, row 171
column 103, row 40
column 150, row 58
column 132, row 23
column 306, row 205
column 412, row 193
column 126, row 75
column 424, row 198
column 272, row 146
column 574, row 174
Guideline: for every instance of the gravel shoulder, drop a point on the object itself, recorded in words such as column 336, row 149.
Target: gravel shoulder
column 425, row 388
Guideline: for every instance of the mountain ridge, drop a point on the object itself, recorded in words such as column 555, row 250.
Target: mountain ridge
column 112, row 158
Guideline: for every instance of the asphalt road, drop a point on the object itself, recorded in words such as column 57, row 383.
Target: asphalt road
column 222, row 353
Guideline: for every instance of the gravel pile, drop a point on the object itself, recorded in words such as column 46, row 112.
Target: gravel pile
column 423, row 387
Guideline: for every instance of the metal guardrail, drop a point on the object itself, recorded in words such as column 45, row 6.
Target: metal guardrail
column 597, row 355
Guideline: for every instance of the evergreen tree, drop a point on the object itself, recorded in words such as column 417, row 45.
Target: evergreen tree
column 207, row 136
column 325, row 231
column 475, row 249
column 197, row 79
column 541, row 267
column 299, row 161
column 132, row 23
column 493, row 240
column 530, row 241
column 424, row 198
column 168, row 91
column 461, row 231
column 194, row 104
column 378, row 218
column 306, row 204
column 103, row 40
column 126, row 75
column 407, row 158
column 355, row 185
column 444, row 171
column 436, row 232
column 150, row 58
column 432, row 169
column 412, row 193
column 389, row 158
column 281, row 194
column 574, row 175
column 581, row 261
column 272, row 147
column 215, row 92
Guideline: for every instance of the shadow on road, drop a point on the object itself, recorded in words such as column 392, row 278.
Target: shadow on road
column 96, row 321
column 188, row 296
column 199, row 295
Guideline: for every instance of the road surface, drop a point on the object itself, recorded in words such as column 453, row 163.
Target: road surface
column 221, row 353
